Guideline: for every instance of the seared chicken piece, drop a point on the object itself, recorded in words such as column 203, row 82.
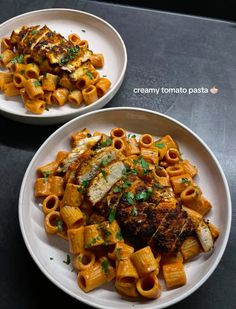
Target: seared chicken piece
column 102, row 183
column 83, row 145
column 101, row 159
column 204, row 236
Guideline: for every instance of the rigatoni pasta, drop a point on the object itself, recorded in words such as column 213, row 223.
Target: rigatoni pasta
column 59, row 73
column 129, row 208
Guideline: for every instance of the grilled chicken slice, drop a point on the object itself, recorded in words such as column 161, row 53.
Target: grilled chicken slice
column 91, row 168
column 103, row 182
column 204, row 236
column 82, row 146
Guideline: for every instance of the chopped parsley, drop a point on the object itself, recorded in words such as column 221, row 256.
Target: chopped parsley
column 22, row 72
column 104, row 174
column 129, row 171
column 89, row 74
column 89, row 135
column 104, row 75
column 46, row 174
column 71, row 54
column 128, row 197
column 158, row 186
column 68, row 260
column 112, row 215
column 119, row 235
column 59, row 225
column 84, row 184
column 1, row 56
column 105, row 266
column 143, row 195
column 159, row 145
column 106, row 143
column 118, row 252
column 105, row 161
column 18, row 59
column 37, row 83
column 126, row 184
column 134, row 212
column 92, row 242
column 51, row 258
column 185, row 180
column 34, row 32
column 107, row 233
column 83, row 30
column 47, row 109
column 116, row 189
column 144, row 164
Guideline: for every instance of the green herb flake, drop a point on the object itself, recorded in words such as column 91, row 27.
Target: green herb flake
column 133, row 136
column 107, row 233
column 159, row 145
column 143, row 195
column 83, row 30
column 128, row 197
column 18, row 59
column 126, row 184
column 134, row 212
column 59, row 225
column 104, row 174
column 71, row 54
column 105, row 266
column 33, row 32
column 144, row 164
column 85, row 183
column 22, row 72
column 106, row 143
column 51, row 258
column 68, row 260
column 46, row 174
column 1, row 57
column 104, row 75
column 47, row 109
column 89, row 74
column 116, row 189
column 89, row 135
column 37, row 83
column 104, row 161
column 118, row 252
column 185, row 180
column 112, row 215
column 119, row 235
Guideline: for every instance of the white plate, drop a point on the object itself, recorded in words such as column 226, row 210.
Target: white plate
column 102, row 38
column 211, row 179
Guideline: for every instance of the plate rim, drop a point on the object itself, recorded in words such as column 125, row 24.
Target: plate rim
column 220, row 169
column 86, row 108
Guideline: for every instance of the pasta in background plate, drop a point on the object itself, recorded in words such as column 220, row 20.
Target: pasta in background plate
column 46, row 69
column 129, row 208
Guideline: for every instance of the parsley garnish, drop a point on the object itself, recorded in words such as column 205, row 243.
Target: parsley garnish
column 116, row 189
column 126, row 184
column 107, row 233
column 143, row 195
column 72, row 53
column 18, row 59
column 159, row 145
column 89, row 74
column 128, row 197
column 134, row 212
column 46, row 174
column 83, row 30
column 89, row 135
column 47, row 109
column 105, row 161
column 84, row 184
column 119, row 235
column 59, row 225
column 143, row 163
column 104, row 75
column 92, row 242
column 37, row 83
column 104, row 174
column 22, row 72
column 129, row 171
column 105, row 266
column 1, row 56
column 158, row 186
column 106, row 143
column 68, row 260
column 51, row 258
column 34, row 32
column 112, row 215
column 185, row 180
column 117, row 252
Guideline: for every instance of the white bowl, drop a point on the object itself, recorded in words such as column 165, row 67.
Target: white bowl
column 102, row 37
column 211, row 179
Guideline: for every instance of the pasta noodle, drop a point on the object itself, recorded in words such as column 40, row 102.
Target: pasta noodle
column 59, row 72
column 128, row 207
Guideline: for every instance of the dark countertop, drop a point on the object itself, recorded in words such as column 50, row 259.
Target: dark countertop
column 164, row 50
